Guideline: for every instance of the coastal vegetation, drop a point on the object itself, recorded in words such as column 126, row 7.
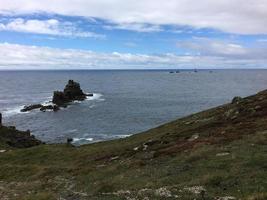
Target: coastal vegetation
column 217, row 154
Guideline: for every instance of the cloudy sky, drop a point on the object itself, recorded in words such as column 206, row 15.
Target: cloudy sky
column 130, row 34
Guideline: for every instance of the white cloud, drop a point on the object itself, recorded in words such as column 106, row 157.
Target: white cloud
column 221, row 48
column 135, row 27
column 235, row 16
column 48, row 27
column 14, row 56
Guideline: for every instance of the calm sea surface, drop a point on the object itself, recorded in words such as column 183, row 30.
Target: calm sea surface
column 124, row 102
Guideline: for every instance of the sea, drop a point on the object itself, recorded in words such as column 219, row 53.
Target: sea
column 125, row 102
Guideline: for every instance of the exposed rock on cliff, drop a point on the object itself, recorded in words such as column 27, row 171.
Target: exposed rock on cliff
column 10, row 136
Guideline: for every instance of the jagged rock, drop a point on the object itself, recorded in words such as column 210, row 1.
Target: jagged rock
column 31, row 107
column 41, row 107
column 15, row 138
column 18, row 139
column 59, row 98
column 49, row 107
column 44, row 108
column 0, row 119
column 72, row 92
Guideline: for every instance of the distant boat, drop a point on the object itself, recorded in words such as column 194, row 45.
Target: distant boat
column 195, row 70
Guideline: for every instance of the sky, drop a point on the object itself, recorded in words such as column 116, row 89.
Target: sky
column 130, row 34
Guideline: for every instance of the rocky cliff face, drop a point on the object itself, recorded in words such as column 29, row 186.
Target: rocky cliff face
column 18, row 139
column 10, row 136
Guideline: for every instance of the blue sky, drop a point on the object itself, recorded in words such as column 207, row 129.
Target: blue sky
column 125, row 34
column 108, row 39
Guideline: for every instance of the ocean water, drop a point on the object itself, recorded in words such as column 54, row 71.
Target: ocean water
column 124, row 102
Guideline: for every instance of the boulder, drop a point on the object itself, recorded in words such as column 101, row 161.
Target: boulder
column 31, row 107
column 237, row 100
column 49, row 107
column 41, row 107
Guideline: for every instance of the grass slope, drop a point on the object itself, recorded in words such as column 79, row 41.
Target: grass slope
column 218, row 154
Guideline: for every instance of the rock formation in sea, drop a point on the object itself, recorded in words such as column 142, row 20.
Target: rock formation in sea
column 40, row 107
column 71, row 92
column 31, row 107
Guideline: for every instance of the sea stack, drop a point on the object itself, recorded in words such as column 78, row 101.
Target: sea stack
column 72, row 92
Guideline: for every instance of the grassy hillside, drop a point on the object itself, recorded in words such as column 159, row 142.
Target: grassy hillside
column 218, row 154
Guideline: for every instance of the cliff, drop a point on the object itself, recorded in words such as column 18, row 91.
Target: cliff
column 10, row 137
column 217, row 154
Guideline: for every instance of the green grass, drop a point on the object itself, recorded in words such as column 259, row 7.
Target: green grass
column 229, row 158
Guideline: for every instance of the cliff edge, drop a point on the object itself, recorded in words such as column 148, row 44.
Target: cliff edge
column 217, row 154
